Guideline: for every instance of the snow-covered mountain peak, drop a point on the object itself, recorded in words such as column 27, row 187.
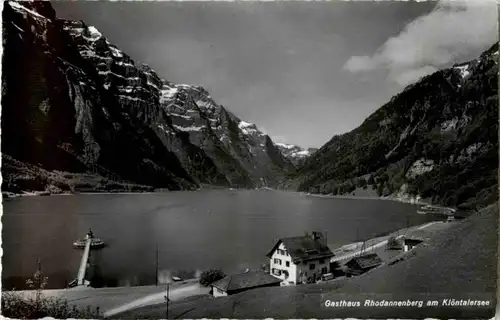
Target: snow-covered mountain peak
column 247, row 127
column 167, row 92
column 285, row 146
column 23, row 7
column 91, row 33
column 293, row 152
column 463, row 69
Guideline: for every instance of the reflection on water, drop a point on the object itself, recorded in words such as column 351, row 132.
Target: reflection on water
column 192, row 231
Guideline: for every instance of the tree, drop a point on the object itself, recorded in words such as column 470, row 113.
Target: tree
column 335, row 190
column 380, row 189
column 371, row 180
column 210, row 276
column 361, row 182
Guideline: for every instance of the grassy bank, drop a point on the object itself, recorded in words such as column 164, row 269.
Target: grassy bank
column 457, row 262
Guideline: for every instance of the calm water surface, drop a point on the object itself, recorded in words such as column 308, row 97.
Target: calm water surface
column 227, row 229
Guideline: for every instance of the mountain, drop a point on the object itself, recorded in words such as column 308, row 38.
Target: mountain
column 437, row 139
column 82, row 107
column 297, row 155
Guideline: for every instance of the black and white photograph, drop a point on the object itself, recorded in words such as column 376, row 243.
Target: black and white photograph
column 249, row 159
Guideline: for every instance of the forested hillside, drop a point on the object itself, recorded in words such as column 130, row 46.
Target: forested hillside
column 437, row 139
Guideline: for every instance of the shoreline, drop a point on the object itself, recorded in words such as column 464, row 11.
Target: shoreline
column 10, row 195
column 351, row 197
column 339, row 251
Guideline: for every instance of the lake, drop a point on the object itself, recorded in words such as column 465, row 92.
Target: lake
column 194, row 230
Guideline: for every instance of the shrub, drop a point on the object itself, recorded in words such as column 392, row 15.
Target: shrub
column 18, row 306
column 210, row 276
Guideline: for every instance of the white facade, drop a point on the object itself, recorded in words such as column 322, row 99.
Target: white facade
column 216, row 292
column 282, row 267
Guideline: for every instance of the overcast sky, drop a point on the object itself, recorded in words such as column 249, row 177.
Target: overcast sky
column 302, row 71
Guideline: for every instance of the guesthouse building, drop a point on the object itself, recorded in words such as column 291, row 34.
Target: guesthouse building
column 302, row 259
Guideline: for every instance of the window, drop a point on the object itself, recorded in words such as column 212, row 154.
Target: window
column 324, row 270
column 277, row 261
column 287, row 263
column 312, row 266
column 277, row 272
column 322, row 261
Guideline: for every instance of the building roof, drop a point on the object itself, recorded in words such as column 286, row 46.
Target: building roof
column 245, row 280
column 413, row 240
column 366, row 261
column 304, row 248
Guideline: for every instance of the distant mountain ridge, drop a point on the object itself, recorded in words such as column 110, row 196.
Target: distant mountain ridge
column 296, row 154
column 79, row 104
column 437, row 139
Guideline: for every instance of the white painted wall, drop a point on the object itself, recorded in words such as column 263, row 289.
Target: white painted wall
column 294, row 270
column 284, row 258
column 216, row 292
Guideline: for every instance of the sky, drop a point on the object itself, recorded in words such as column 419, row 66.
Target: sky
column 301, row 71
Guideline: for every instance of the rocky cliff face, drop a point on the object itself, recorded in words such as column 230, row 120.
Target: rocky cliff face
column 297, row 155
column 77, row 103
column 237, row 146
column 438, row 139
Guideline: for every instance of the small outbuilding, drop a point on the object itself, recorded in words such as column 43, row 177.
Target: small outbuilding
column 410, row 243
column 362, row 264
column 244, row 281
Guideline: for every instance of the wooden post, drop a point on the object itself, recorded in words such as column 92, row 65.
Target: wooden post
column 156, row 271
column 168, row 300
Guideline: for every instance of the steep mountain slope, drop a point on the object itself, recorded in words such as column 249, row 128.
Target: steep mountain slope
column 437, row 139
column 297, row 155
column 235, row 144
column 77, row 103
column 55, row 113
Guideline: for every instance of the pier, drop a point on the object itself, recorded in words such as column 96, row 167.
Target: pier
column 83, row 263
column 86, row 244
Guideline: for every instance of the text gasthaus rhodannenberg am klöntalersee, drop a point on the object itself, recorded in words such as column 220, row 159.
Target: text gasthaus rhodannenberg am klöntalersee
column 407, row 303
